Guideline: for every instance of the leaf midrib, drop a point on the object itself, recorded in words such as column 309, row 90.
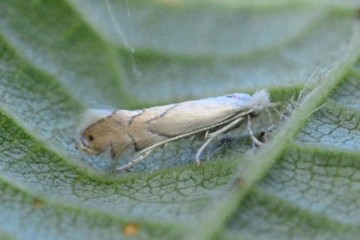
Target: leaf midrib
column 262, row 161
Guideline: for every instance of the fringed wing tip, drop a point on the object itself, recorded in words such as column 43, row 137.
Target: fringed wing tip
column 262, row 98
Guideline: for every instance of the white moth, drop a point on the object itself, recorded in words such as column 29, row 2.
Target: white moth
column 142, row 131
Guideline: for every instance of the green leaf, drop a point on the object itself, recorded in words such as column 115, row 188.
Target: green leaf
column 61, row 57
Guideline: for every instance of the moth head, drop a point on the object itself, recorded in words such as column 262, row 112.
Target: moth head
column 94, row 132
column 103, row 130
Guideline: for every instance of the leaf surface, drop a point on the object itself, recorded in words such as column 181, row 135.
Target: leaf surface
column 61, row 57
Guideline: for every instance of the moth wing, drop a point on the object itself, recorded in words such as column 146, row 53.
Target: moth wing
column 191, row 116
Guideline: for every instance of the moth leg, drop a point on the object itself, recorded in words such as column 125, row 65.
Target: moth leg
column 213, row 135
column 255, row 141
column 201, row 149
column 136, row 160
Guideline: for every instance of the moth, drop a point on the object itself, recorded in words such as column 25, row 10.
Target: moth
column 142, row 131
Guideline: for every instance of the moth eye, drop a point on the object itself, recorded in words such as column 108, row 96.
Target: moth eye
column 91, row 138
